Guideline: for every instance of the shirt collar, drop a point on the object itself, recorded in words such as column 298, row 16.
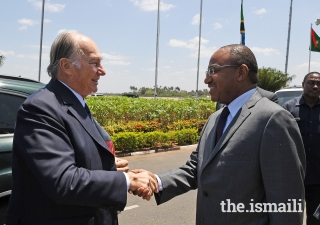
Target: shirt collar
column 79, row 97
column 236, row 104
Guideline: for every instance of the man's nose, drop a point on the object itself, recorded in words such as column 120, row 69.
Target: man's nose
column 207, row 79
column 101, row 71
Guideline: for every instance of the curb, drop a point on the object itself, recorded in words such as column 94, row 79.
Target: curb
column 186, row 147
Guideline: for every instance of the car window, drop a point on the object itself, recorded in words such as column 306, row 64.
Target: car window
column 284, row 96
column 9, row 105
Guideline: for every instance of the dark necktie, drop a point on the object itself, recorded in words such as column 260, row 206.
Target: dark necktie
column 88, row 111
column 221, row 123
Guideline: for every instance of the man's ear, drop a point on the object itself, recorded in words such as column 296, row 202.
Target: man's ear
column 65, row 65
column 243, row 72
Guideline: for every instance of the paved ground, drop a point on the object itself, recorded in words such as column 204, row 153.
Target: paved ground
column 137, row 211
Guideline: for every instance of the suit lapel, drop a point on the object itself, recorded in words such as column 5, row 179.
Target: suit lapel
column 77, row 110
column 242, row 115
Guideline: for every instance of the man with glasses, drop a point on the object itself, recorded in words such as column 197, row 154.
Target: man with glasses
column 63, row 171
column 249, row 164
column 306, row 110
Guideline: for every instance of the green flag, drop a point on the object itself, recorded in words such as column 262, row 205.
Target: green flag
column 315, row 42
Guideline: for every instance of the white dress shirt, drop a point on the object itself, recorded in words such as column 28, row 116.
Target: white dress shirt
column 234, row 107
column 83, row 102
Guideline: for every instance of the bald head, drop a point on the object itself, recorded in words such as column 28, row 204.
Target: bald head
column 241, row 54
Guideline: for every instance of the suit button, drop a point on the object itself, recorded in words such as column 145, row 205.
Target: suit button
column 205, row 193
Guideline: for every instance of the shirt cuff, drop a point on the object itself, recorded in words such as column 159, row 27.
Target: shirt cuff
column 128, row 181
column 160, row 187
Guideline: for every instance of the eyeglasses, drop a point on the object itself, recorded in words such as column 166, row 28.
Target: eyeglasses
column 211, row 69
column 312, row 83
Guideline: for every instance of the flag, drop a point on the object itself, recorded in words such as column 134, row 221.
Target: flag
column 242, row 31
column 315, row 42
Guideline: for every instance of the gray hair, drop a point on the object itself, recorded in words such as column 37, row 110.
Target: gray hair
column 64, row 46
column 241, row 54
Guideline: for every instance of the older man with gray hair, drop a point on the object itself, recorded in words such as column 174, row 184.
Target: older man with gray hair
column 62, row 169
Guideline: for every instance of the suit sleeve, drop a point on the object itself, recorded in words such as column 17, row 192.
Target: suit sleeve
column 43, row 143
column 282, row 161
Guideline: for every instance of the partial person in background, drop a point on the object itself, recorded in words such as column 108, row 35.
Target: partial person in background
column 62, row 169
column 306, row 110
column 250, row 154
column 264, row 93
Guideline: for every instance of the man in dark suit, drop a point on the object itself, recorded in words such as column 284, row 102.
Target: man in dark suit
column 264, row 93
column 249, row 165
column 62, row 169
column 306, row 110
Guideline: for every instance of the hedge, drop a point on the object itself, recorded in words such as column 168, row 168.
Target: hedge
column 133, row 141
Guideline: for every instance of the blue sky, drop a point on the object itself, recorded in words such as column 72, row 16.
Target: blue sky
column 125, row 32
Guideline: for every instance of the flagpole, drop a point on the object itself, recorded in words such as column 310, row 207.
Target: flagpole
column 200, row 23
column 41, row 35
column 288, row 41
column 310, row 48
column 242, row 29
column 157, row 54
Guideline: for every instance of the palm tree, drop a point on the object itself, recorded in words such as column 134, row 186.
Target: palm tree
column 272, row 79
column 2, row 58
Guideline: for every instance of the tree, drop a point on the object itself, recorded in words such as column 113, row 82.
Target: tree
column 2, row 58
column 133, row 88
column 272, row 79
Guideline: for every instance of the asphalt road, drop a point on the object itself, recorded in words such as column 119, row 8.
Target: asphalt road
column 179, row 210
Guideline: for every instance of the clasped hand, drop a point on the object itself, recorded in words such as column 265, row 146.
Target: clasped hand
column 143, row 183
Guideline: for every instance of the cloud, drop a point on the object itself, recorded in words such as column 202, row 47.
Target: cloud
column 196, row 19
column 193, row 45
column 36, row 46
column 260, row 11
column 19, row 55
column 23, row 28
column 306, row 65
column 115, row 60
column 152, row 5
column 65, row 30
column 217, row 26
column 27, row 22
column 47, row 21
column 117, row 63
column 2, row 52
column 167, row 67
column 48, row 6
column 265, row 51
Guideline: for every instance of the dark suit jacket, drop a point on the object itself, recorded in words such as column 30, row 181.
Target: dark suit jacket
column 63, row 172
column 264, row 93
column 259, row 159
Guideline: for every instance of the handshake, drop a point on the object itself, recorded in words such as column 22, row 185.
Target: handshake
column 142, row 182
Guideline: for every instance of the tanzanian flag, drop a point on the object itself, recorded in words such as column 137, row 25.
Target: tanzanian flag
column 315, row 42
column 242, row 30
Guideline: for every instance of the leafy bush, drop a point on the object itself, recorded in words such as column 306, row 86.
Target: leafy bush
column 132, row 141
column 109, row 110
column 149, row 126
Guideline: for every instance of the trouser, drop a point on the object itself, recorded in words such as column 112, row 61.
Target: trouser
column 312, row 202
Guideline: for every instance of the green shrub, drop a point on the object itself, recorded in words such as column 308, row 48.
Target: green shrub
column 132, row 141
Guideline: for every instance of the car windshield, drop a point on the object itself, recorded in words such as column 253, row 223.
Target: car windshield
column 284, row 96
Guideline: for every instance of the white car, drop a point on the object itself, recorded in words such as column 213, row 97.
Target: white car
column 288, row 94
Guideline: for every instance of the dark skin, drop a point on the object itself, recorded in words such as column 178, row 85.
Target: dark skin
column 228, row 83
column 311, row 89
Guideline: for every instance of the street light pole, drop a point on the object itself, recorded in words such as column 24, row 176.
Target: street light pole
column 197, row 90
column 157, row 54
column 41, row 35
column 288, row 42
